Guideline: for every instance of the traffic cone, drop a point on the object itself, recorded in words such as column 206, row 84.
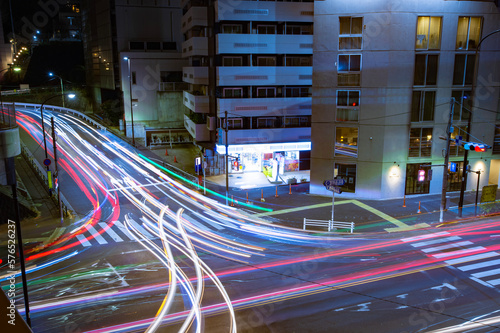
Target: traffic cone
column 404, row 201
column 418, row 212
column 262, row 195
column 166, row 152
column 247, row 197
column 277, row 192
column 175, row 159
column 232, row 201
column 290, row 191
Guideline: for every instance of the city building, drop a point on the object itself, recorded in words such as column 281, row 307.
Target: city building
column 135, row 45
column 384, row 76
column 253, row 60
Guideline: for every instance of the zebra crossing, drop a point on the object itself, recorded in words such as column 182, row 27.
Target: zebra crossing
column 103, row 234
column 482, row 265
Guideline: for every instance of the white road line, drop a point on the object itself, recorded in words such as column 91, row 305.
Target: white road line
column 436, row 241
column 421, row 237
column 83, row 240
column 471, row 258
column 487, row 273
column 480, row 265
column 124, row 230
column 141, row 229
column 110, row 232
column 459, row 252
column 494, row 282
column 96, row 235
column 447, row 246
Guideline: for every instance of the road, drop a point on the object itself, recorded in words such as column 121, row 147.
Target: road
column 147, row 252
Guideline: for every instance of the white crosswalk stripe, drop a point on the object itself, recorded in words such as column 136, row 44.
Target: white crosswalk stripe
column 103, row 234
column 110, row 232
column 483, row 267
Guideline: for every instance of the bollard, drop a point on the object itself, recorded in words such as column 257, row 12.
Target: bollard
column 232, row 201
column 290, row 191
column 277, row 192
column 418, row 212
column 247, row 196
column 175, row 159
column 404, row 200
column 262, row 195
column 166, row 152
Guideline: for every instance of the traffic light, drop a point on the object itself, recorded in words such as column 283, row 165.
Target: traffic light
column 421, row 175
column 479, row 147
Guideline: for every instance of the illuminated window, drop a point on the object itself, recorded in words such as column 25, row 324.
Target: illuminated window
column 232, row 61
column 420, row 142
column 423, row 105
column 428, row 33
column 463, row 72
column 232, row 92
column 463, row 105
column 297, row 122
column 468, row 32
column 347, row 172
column 413, row 186
column 266, row 122
column 349, row 70
column 496, row 141
column 350, row 37
column 346, row 142
column 347, row 105
column 426, row 67
column 235, row 123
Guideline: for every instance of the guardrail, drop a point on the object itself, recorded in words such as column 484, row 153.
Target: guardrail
column 331, row 225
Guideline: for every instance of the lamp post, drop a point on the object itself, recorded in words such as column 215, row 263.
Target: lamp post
column 131, row 100
column 62, row 86
column 466, row 153
column 43, row 133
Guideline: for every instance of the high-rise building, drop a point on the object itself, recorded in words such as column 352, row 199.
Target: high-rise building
column 253, row 60
column 384, row 76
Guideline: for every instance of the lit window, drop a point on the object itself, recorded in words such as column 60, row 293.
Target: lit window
column 420, row 142
column 468, row 32
column 346, row 142
column 347, row 105
column 350, row 33
column 428, row 33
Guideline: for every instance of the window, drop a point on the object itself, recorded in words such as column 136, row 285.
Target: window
column 428, row 33
column 496, row 141
column 463, row 105
column 266, row 29
column 169, row 46
column 425, row 69
column 234, row 123
column 347, row 172
column 166, row 76
column 422, row 106
column 297, row 91
column 347, row 105
column 153, row 46
column 136, row 45
column 413, row 186
column 266, row 122
column 463, row 72
column 468, row 32
column 266, row 92
column 346, row 141
column 266, row 61
column 350, row 33
column 457, row 150
column 298, row 61
column 232, row 61
column 349, row 70
column 298, row 30
column 232, row 92
column 297, row 122
column 134, row 78
column 455, row 178
column 232, row 29
column 420, row 142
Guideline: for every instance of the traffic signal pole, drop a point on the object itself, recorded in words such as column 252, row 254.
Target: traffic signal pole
column 446, row 160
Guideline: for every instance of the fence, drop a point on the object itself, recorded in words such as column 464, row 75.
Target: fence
column 331, row 225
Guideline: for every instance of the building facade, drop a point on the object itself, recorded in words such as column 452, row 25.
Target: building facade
column 253, row 61
column 384, row 76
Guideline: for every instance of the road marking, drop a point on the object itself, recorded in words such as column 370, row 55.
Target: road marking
column 494, row 282
column 459, row 252
column 487, row 273
column 447, row 246
column 124, row 230
column 435, row 241
column 480, row 265
column 297, row 209
column 96, row 235
column 471, row 258
column 139, row 228
column 83, row 240
column 110, row 232
column 416, row 238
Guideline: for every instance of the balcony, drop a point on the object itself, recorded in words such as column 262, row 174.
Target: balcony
column 264, row 44
column 195, row 75
column 199, row 132
column 262, row 107
column 264, row 76
column 195, row 16
column 264, row 11
column 268, row 135
column 195, row 46
column 196, row 103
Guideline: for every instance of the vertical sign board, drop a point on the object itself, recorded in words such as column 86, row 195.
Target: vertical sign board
column 489, row 193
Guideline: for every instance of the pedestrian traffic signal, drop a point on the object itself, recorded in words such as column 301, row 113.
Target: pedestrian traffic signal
column 421, row 175
column 479, row 147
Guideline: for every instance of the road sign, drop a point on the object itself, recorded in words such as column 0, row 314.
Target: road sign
column 335, row 189
column 334, row 182
column 46, row 162
column 452, row 166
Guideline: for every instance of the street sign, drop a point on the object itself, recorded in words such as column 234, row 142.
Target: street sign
column 452, row 166
column 46, row 162
column 335, row 189
column 334, row 182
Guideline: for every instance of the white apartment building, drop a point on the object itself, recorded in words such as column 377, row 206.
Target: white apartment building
column 253, row 60
column 384, row 75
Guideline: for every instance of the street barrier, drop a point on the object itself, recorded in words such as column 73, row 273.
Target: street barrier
column 331, row 225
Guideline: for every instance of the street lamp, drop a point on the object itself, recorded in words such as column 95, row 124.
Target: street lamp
column 62, row 86
column 131, row 100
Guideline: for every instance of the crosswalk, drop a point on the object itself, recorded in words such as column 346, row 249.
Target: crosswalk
column 103, row 234
column 482, row 265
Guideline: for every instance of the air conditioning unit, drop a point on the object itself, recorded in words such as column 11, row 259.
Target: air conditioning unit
column 211, row 125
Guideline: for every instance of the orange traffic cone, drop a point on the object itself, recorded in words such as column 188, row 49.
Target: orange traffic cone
column 166, row 152
column 232, row 201
column 418, row 212
column 175, row 159
column 290, row 192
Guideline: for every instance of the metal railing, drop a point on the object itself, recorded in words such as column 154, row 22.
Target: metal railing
column 331, row 225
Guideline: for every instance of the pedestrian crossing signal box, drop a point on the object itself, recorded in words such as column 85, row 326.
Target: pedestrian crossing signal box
column 424, row 175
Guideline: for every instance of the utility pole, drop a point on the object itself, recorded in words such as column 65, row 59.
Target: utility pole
column 446, row 160
column 333, row 195
column 226, row 158
column 56, row 170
